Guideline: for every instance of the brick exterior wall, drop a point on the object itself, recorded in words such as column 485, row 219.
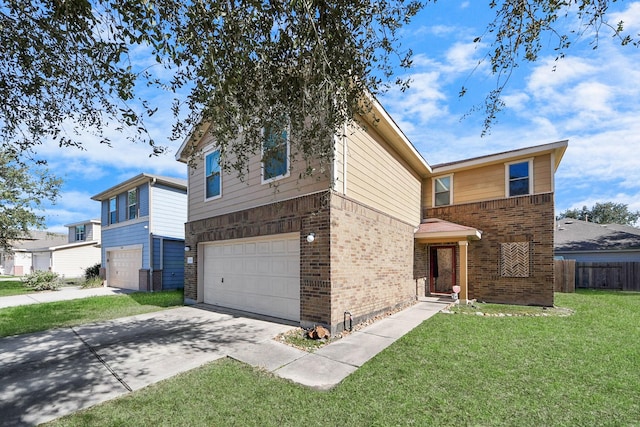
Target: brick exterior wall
column 305, row 215
column 361, row 260
column 518, row 219
column 371, row 262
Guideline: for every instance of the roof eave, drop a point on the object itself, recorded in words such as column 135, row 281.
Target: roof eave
column 558, row 148
column 134, row 182
column 384, row 123
column 440, row 236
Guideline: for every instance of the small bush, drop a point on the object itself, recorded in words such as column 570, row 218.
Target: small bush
column 91, row 272
column 42, row 281
column 92, row 282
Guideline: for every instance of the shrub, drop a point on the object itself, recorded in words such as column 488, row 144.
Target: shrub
column 91, row 272
column 92, row 282
column 42, row 281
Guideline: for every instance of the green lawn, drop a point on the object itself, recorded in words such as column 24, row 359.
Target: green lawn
column 39, row 317
column 452, row 370
column 12, row 287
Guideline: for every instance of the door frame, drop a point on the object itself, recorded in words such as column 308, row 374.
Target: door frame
column 432, row 251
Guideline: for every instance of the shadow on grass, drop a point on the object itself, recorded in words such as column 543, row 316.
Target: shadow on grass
column 159, row 299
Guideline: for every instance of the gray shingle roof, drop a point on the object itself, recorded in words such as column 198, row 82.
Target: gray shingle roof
column 38, row 239
column 576, row 235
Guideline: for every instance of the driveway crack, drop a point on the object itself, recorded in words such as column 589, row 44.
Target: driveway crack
column 102, row 361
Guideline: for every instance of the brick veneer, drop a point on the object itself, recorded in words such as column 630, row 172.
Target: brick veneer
column 361, row 260
column 371, row 262
column 304, row 214
column 526, row 218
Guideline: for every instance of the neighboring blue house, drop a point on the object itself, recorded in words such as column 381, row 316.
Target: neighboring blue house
column 143, row 233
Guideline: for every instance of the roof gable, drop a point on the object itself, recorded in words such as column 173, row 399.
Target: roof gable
column 137, row 180
column 558, row 148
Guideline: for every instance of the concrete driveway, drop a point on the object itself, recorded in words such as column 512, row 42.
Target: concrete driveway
column 47, row 375
column 50, row 374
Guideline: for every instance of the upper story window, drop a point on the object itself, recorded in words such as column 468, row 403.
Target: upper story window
column 275, row 154
column 80, row 233
column 519, row 181
column 113, row 210
column 442, row 191
column 132, row 204
column 213, row 179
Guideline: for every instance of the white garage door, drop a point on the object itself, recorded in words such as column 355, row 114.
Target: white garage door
column 41, row 261
column 123, row 268
column 259, row 275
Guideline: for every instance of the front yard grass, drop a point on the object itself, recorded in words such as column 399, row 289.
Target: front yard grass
column 13, row 287
column 39, row 317
column 451, row 370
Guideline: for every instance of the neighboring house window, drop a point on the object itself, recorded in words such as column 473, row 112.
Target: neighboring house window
column 213, row 182
column 275, row 154
column 80, row 233
column 519, row 180
column 514, row 259
column 113, row 210
column 132, row 204
column 442, row 193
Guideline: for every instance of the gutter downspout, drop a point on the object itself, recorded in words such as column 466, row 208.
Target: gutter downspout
column 151, row 185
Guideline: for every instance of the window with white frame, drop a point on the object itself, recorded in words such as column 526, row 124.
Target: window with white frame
column 80, row 233
column 132, row 204
column 442, row 191
column 213, row 179
column 113, row 210
column 519, row 181
column 275, row 154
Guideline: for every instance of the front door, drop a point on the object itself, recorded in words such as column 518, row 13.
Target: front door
column 442, row 271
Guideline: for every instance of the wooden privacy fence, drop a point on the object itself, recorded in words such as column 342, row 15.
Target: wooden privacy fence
column 565, row 275
column 621, row 276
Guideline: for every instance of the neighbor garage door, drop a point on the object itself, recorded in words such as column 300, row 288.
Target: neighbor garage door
column 123, row 268
column 259, row 275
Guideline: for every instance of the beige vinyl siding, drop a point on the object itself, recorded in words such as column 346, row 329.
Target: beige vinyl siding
column 542, row 174
column 488, row 182
column 377, row 177
column 72, row 262
column 238, row 195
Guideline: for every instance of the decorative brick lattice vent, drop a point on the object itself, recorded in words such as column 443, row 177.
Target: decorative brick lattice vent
column 514, row 259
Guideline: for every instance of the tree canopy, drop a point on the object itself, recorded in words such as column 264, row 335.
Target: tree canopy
column 604, row 213
column 69, row 67
column 22, row 191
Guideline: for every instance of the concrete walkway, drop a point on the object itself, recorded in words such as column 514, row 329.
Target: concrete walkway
column 50, row 374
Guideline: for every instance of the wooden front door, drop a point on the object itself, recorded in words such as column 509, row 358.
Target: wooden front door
column 442, row 271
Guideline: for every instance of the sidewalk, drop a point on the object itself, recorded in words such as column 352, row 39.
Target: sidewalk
column 65, row 293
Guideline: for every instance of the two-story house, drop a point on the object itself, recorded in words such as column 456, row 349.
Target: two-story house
column 69, row 254
column 379, row 229
column 142, row 222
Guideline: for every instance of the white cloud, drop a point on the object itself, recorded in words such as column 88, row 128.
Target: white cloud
column 630, row 17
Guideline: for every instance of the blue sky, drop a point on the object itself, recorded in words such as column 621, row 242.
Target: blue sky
column 591, row 99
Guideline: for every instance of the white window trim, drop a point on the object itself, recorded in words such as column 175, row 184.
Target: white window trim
column 433, row 190
column 506, row 176
column 109, row 221
column 129, row 204
column 77, row 233
column 288, row 155
column 211, row 150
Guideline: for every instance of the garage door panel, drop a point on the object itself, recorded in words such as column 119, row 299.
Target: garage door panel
column 124, row 267
column 260, row 275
